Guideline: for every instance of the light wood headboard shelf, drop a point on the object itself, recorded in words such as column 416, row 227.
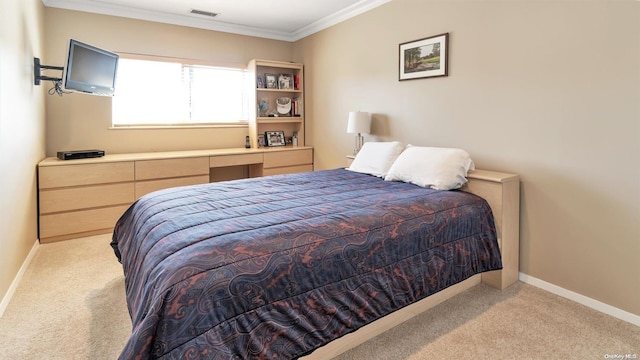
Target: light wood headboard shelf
column 502, row 192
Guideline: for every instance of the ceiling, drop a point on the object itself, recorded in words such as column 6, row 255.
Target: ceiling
column 288, row 20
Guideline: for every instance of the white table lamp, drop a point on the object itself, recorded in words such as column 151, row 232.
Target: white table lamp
column 359, row 123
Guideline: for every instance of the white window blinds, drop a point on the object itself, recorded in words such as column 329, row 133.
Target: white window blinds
column 164, row 93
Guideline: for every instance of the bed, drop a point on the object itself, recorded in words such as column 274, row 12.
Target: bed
column 304, row 265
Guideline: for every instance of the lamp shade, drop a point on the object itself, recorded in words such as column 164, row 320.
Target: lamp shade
column 359, row 122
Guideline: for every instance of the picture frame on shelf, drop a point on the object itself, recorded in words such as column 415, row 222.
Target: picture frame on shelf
column 285, row 81
column 259, row 82
column 271, row 81
column 274, row 138
column 424, row 58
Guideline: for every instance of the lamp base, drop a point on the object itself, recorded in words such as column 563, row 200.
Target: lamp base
column 359, row 143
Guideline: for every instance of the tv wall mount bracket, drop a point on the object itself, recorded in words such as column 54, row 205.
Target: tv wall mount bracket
column 37, row 71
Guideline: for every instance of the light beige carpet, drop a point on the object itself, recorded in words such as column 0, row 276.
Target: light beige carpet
column 71, row 305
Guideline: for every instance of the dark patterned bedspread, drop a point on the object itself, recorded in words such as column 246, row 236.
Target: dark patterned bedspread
column 276, row 267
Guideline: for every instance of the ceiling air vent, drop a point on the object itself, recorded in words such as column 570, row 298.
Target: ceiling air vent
column 203, row 13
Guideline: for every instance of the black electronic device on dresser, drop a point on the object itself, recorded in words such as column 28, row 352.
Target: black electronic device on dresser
column 80, row 154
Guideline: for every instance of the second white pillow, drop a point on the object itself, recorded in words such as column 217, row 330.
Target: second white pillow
column 432, row 167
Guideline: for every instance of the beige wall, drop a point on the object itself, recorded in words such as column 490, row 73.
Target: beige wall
column 79, row 121
column 21, row 132
column 547, row 90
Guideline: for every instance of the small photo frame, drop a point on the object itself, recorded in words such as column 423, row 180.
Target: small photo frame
column 270, row 80
column 424, row 58
column 285, row 81
column 274, row 138
column 259, row 82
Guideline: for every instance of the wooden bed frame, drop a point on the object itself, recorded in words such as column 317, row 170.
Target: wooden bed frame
column 502, row 192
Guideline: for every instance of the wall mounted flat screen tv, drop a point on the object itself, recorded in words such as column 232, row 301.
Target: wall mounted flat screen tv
column 90, row 70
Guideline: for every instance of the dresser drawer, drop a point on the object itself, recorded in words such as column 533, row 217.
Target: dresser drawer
column 66, row 199
column 288, row 158
column 168, row 168
column 75, row 223
column 145, row 187
column 84, row 174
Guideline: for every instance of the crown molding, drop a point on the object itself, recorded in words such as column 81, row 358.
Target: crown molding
column 209, row 24
column 338, row 17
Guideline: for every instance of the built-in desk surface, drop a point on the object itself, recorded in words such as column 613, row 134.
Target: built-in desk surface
column 53, row 161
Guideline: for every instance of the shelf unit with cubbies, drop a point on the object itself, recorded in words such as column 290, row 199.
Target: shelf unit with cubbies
column 274, row 80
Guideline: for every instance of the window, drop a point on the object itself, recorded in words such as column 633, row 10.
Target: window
column 165, row 93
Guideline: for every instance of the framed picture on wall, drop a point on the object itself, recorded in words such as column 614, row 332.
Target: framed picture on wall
column 424, row 58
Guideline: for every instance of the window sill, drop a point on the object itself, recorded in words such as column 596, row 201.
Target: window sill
column 174, row 127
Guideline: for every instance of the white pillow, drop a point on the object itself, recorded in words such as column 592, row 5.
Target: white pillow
column 375, row 158
column 432, row 167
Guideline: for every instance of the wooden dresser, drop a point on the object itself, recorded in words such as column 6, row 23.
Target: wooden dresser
column 86, row 197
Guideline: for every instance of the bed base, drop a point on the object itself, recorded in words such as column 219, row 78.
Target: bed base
column 502, row 192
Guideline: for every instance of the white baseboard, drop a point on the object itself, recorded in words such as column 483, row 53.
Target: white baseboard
column 581, row 299
column 18, row 278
